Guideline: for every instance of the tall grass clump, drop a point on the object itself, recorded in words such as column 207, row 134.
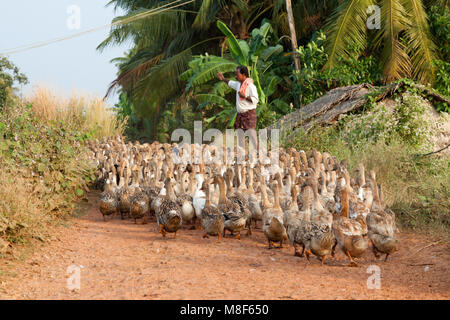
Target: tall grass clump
column 84, row 113
column 416, row 187
column 45, row 168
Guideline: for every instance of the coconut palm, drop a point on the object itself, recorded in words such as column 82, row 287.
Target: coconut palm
column 404, row 39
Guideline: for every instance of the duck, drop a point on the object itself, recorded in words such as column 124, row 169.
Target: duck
column 293, row 209
column 199, row 199
column 298, row 222
column 319, row 214
column 349, row 233
column 125, row 196
column 169, row 216
column 212, row 220
column 240, row 196
column 381, row 227
column 184, row 200
column 253, row 201
column 273, row 227
column 235, row 219
column 139, row 205
column 108, row 201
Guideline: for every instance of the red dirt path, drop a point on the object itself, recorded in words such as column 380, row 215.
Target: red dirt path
column 122, row 260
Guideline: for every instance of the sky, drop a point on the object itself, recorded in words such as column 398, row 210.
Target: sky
column 74, row 64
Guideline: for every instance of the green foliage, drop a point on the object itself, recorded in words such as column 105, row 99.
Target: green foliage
column 404, row 39
column 261, row 54
column 440, row 28
column 442, row 84
column 49, row 163
column 312, row 82
column 9, row 76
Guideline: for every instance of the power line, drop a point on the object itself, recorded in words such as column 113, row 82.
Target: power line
column 142, row 15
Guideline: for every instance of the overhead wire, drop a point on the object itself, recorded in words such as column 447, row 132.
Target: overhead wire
column 142, row 15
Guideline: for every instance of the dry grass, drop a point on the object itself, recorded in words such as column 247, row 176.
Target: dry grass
column 84, row 113
column 21, row 215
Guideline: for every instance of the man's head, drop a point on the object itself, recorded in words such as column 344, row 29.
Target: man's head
column 241, row 73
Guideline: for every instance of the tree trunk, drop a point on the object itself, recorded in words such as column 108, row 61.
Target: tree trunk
column 290, row 16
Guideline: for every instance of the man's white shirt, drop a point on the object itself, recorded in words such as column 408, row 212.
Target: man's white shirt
column 251, row 92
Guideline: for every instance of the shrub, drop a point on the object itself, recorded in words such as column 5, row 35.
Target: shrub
column 45, row 168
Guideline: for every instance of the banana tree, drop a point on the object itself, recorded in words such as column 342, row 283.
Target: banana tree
column 258, row 53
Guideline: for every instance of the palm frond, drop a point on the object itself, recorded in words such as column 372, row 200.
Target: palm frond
column 207, row 11
column 345, row 28
column 161, row 82
column 394, row 56
column 421, row 46
column 159, row 26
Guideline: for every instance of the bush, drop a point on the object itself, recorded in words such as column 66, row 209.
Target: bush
column 44, row 161
column 312, row 82
column 9, row 76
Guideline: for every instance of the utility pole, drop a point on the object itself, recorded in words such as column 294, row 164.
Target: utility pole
column 290, row 16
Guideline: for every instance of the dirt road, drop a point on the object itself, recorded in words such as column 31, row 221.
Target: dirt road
column 120, row 260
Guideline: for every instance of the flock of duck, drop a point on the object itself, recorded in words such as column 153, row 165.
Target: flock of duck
column 309, row 200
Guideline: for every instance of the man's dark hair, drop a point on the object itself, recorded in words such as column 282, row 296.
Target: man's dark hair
column 243, row 70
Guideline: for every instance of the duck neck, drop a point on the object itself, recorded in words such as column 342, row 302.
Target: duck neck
column 294, row 204
column 345, row 204
column 266, row 202
column 170, row 193
column 250, row 180
column 208, row 198
column 276, row 196
column 362, row 176
column 307, row 203
column 317, row 204
column 228, row 184
column 222, row 194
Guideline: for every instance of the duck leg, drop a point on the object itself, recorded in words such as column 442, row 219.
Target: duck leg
column 333, row 249
column 238, row 236
column 193, row 222
column 387, row 255
column 352, row 262
column 323, row 259
column 161, row 230
column 249, row 230
column 175, row 235
column 144, row 220
column 104, row 219
column 375, row 251
column 308, row 253
column 270, row 244
column 219, row 237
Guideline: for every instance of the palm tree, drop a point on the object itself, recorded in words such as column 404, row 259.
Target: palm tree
column 404, row 39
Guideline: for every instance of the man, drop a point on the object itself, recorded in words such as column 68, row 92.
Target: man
column 246, row 102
